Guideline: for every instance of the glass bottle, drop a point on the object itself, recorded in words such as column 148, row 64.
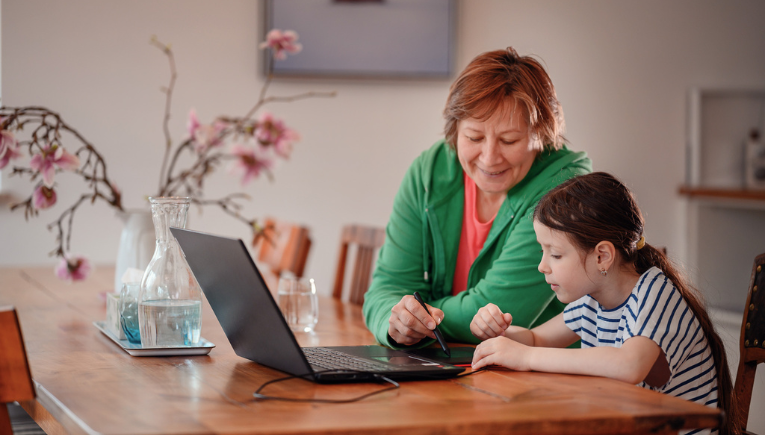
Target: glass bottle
column 170, row 299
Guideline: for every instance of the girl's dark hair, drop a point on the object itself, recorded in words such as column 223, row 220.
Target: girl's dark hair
column 484, row 86
column 598, row 207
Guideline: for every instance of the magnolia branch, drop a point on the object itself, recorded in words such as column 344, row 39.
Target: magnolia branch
column 263, row 101
column 47, row 133
column 168, row 103
column 256, row 143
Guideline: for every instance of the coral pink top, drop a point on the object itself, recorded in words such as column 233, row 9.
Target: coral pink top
column 473, row 237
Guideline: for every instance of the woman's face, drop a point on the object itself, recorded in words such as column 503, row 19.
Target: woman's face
column 497, row 152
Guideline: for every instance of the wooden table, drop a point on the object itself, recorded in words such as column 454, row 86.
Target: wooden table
column 87, row 384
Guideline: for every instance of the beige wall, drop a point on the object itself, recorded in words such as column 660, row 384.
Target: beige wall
column 621, row 70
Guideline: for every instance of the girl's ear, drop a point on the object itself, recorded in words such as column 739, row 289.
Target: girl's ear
column 606, row 255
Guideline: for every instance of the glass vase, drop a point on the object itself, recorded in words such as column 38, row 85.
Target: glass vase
column 170, row 299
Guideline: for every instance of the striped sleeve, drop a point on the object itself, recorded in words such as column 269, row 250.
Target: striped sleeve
column 660, row 313
column 580, row 317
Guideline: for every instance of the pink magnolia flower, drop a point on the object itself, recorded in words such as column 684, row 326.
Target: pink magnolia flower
column 204, row 136
column 53, row 156
column 272, row 131
column 193, row 123
column 249, row 162
column 282, row 43
column 8, row 148
column 44, row 197
column 73, row 269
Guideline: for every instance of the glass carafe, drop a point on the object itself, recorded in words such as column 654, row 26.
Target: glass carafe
column 170, row 300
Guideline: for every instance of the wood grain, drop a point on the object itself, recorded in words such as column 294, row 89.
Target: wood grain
column 87, row 384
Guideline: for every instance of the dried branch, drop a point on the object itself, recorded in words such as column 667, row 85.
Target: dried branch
column 168, row 103
column 48, row 126
column 44, row 145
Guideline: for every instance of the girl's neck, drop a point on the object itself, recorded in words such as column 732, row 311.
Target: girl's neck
column 616, row 287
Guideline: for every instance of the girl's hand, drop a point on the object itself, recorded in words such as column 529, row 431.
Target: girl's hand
column 490, row 322
column 502, row 351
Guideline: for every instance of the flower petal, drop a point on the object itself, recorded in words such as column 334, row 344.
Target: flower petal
column 37, row 162
column 193, row 123
column 67, row 161
column 44, row 197
column 48, row 172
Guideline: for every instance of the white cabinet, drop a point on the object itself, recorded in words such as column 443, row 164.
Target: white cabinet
column 725, row 222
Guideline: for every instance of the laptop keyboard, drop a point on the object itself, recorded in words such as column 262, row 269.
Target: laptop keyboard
column 328, row 359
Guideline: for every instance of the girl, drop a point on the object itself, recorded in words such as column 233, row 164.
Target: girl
column 637, row 319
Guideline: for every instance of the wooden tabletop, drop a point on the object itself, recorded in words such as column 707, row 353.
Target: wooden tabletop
column 87, row 384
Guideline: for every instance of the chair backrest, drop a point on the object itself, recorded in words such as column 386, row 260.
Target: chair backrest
column 15, row 377
column 752, row 345
column 283, row 246
column 366, row 240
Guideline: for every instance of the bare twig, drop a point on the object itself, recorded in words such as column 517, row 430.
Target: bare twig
column 46, row 129
column 168, row 102
column 48, row 126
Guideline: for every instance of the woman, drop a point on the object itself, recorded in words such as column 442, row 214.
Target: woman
column 461, row 229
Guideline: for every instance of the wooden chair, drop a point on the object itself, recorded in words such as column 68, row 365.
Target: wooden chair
column 15, row 377
column 366, row 240
column 752, row 345
column 283, row 247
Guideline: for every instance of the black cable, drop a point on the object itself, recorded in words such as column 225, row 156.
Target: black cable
column 394, row 385
column 258, row 395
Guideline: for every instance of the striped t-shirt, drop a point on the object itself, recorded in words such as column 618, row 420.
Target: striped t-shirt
column 656, row 310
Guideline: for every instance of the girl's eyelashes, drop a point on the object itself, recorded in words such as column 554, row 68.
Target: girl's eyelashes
column 555, row 256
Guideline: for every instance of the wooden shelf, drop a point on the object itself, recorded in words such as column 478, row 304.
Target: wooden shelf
column 719, row 193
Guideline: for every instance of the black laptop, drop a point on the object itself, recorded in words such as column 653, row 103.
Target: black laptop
column 257, row 330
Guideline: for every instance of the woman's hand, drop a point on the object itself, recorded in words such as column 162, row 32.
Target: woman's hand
column 409, row 322
column 502, row 351
column 490, row 322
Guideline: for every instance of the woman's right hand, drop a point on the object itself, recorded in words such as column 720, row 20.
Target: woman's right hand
column 409, row 322
column 490, row 322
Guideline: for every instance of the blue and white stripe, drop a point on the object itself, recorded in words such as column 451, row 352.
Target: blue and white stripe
column 655, row 309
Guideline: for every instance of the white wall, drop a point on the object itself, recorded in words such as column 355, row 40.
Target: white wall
column 621, row 70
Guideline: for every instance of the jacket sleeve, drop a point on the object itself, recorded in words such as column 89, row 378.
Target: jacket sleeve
column 399, row 270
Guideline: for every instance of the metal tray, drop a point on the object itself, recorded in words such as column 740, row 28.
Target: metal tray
column 203, row 348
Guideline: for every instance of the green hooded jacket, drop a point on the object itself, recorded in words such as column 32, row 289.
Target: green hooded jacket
column 422, row 240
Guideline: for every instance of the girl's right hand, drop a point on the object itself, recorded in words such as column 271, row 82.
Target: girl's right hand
column 490, row 322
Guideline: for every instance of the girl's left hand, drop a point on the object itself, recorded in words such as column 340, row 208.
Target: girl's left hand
column 502, row 351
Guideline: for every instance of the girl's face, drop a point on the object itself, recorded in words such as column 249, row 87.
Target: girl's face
column 497, row 152
column 569, row 277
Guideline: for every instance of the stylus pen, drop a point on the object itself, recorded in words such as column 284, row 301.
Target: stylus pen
column 436, row 331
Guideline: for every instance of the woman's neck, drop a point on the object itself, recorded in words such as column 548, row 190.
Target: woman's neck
column 487, row 204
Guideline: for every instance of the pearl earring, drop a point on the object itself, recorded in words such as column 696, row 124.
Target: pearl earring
column 604, row 272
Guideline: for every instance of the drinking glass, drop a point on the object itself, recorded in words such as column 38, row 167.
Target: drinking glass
column 129, row 311
column 299, row 303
